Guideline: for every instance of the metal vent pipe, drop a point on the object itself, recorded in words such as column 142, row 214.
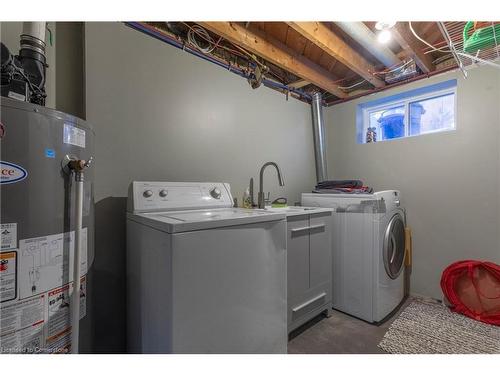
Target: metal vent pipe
column 364, row 36
column 33, row 41
column 319, row 137
column 33, row 60
column 35, row 30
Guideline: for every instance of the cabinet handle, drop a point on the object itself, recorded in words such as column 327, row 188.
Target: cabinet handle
column 300, row 307
column 295, row 230
column 319, row 226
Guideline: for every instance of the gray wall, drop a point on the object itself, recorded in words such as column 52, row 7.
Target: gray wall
column 70, row 74
column 9, row 35
column 162, row 114
column 449, row 181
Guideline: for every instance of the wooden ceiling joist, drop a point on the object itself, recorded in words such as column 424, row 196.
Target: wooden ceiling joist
column 300, row 83
column 332, row 44
column 408, row 42
column 275, row 52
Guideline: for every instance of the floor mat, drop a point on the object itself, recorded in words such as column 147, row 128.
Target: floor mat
column 431, row 328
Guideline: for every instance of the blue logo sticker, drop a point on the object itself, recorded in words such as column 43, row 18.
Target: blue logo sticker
column 11, row 173
column 50, row 153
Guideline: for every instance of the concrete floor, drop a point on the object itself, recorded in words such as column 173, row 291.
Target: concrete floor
column 340, row 334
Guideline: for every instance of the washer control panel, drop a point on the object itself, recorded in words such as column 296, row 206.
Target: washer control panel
column 215, row 193
column 169, row 196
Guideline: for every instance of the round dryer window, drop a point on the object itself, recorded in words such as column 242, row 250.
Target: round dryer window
column 394, row 246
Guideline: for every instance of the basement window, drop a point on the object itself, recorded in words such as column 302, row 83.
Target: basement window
column 426, row 110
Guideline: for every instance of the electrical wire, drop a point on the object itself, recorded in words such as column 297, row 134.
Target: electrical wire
column 352, row 86
column 459, row 53
column 210, row 40
column 392, row 70
column 37, row 91
column 200, row 31
column 252, row 56
column 425, row 42
column 442, row 59
column 383, row 72
column 217, row 45
column 204, row 34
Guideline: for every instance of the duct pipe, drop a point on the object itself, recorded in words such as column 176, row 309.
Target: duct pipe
column 33, row 60
column 364, row 36
column 319, row 137
column 33, row 41
column 35, row 30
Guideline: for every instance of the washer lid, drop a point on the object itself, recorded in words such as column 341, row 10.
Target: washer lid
column 353, row 203
column 192, row 220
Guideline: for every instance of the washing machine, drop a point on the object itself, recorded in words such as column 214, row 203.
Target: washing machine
column 202, row 276
column 368, row 251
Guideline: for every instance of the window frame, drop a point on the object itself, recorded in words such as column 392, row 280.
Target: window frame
column 405, row 100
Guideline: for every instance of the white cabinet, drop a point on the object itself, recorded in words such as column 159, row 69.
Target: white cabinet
column 309, row 267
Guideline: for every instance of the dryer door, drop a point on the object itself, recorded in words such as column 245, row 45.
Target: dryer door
column 394, row 246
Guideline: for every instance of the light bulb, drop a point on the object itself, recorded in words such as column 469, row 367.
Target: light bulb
column 384, row 36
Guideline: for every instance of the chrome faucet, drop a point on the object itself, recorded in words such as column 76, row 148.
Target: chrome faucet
column 260, row 198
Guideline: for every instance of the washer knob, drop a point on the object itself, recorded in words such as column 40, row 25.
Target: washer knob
column 147, row 193
column 163, row 193
column 215, row 193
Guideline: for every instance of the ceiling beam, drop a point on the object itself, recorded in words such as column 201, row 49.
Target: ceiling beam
column 298, row 84
column 277, row 53
column 332, row 44
column 408, row 42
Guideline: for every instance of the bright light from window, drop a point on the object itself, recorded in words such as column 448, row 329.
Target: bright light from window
column 384, row 36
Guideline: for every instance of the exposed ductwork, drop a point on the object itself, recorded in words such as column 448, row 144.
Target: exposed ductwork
column 364, row 36
column 319, row 137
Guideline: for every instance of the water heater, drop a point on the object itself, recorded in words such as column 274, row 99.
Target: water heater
column 38, row 229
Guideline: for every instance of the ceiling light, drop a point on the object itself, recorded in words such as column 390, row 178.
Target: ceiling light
column 383, row 25
column 384, row 36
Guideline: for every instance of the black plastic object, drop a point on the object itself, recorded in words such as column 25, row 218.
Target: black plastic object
column 6, row 56
column 23, row 76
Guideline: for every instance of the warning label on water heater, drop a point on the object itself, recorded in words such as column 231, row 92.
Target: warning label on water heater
column 22, row 325
column 36, row 290
column 8, row 238
column 8, row 276
column 74, row 136
column 46, row 262
column 59, row 320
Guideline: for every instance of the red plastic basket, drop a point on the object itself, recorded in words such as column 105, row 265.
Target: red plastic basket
column 472, row 288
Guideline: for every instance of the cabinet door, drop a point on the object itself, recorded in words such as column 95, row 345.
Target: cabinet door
column 320, row 249
column 297, row 257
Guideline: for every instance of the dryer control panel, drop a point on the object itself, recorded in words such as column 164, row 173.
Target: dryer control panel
column 171, row 196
